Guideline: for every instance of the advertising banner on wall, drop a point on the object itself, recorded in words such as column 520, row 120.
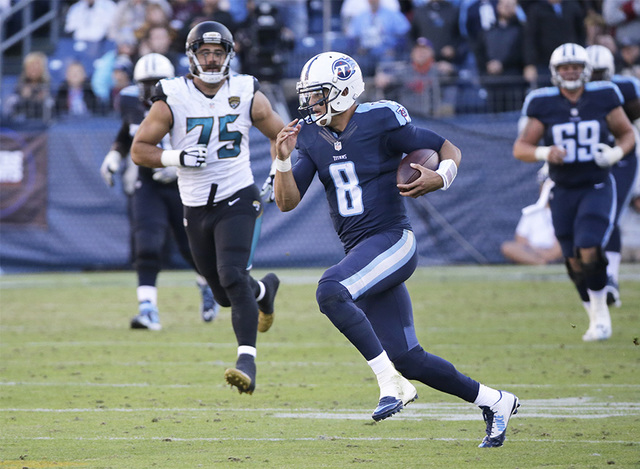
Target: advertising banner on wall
column 23, row 178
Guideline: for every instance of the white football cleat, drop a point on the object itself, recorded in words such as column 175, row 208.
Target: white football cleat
column 497, row 418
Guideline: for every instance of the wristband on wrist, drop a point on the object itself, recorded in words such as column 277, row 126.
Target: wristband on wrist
column 542, row 153
column 170, row 158
column 283, row 165
column 447, row 169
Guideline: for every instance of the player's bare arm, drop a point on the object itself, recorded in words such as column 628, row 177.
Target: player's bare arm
column 632, row 109
column 265, row 119
column 621, row 129
column 429, row 180
column 286, row 191
column 526, row 146
column 145, row 150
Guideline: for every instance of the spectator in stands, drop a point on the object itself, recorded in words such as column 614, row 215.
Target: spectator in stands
column 103, row 78
column 630, row 58
column 352, row 8
column 75, row 96
column 130, row 15
column 437, row 20
column 624, row 16
column 501, row 73
column 159, row 39
column 294, row 16
column 417, row 82
column 211, row 10
column 183, row 10
column 262, row 42
column 121, row 78
column 377, row 35
column 595, row 27
column 154, row 15
column 32, row 96
column 88, row 22
column 476, row 16
column 535, row 242
column 550, row 23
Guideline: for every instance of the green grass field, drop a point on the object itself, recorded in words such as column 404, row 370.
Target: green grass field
column 79, row 389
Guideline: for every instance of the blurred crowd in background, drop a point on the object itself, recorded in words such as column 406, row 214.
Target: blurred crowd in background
column 438, row 57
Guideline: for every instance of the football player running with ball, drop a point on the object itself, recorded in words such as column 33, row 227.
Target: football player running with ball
column 355, row 150
column 155, row 202
column 208, row 115
column 585, row 132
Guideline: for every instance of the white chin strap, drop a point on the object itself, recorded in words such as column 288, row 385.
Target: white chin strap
column 572, row 85
column 324, row 120
column 210, row 77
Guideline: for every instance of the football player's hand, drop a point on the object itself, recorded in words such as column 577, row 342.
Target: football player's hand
column 165, row 175
column 287, row 138
column 605, row 156
column 428, row 181
column 129, row 178
column 110, row 166
column 194, row 156
column 267, row 193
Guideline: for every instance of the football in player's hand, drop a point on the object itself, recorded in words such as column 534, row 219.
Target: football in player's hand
column 424, row 157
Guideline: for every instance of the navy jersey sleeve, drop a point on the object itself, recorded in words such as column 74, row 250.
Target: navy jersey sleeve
column 409, row 137
column 303, row 171
column 630, row 89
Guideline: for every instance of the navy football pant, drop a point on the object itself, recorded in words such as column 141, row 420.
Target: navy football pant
column 583, row 217
column 156, row 209
column 365, row 297
column 222, row 240
column 624, row 173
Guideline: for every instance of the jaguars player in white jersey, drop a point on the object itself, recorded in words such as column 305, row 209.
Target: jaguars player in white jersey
column 355, row 150
column 155, row 203
column 624, row 171
column 208, row 115
column 585, row 131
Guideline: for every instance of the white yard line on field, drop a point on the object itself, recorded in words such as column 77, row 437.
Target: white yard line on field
column 572, row 407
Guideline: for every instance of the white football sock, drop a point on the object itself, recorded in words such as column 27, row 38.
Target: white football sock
column 385, row 371
column 263, row 290
column 147, row 293
column 487, row 396
column 248, row 350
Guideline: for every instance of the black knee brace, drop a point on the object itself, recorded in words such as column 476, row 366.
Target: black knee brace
column 578, row 280
column 595, row 273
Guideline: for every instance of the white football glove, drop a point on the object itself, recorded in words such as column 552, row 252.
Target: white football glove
column 165, row 175
column 267, row 193
column 110, row 166
column 605, row 156
column 130, row 177
column 194, row 156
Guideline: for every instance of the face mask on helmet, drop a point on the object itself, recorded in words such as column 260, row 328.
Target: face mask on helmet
column 330, row 82
column 569, row 54
column 149, row 69
column 602, row 62
column 209, row 32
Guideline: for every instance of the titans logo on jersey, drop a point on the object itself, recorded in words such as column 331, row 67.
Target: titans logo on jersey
column 358, row 168
column 578, row 127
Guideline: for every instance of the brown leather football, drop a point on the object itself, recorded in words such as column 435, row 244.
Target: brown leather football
column 424, row 157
